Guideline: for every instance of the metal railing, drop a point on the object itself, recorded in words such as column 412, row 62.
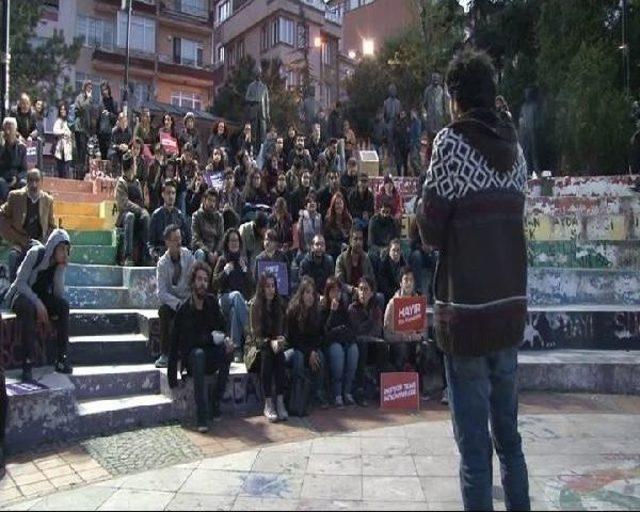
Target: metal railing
column 194, row 8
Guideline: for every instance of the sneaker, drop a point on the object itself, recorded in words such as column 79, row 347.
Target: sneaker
column 203, row 428
column 162, row 361
column 216, row 414
column 349, row 400
column 338, row 402
column 445, row 397
column 283, row 415
column 322, row 402
column 270, row 411
column 63, row 366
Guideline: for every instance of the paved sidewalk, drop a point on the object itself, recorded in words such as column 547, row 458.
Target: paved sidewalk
column 583, row 453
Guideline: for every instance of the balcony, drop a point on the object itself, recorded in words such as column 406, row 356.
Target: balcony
column 139, row 6
column 167, row 65
column 189, row 11
column 116, row 57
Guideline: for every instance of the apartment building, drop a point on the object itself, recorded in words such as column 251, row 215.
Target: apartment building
column 367, row 24
column 171, row 47
column 284, row 29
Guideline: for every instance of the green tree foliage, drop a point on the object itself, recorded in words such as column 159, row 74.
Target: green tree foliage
column 230, row 103
column 38, row 67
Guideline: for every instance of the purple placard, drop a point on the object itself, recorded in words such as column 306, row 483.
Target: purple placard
column 25, row 388
column 279, row 269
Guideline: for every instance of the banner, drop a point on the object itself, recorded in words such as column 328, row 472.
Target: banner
column 399, row 390
column 169, row 144
column 279, row 269
column 214, row 180
column 410, row 313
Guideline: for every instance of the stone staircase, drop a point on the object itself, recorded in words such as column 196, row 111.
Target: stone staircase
column 583, row 326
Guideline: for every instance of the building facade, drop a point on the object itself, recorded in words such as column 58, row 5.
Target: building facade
column 284, row 29
column 171, row 47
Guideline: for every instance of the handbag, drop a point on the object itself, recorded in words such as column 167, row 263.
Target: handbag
column 300, row 396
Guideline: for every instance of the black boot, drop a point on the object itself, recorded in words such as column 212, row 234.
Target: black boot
column 27, row 374
column 63, row 366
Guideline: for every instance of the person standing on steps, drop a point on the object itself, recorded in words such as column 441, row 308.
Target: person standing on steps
column 199, row 343
column 473, row 201
column 37, row 298
column 172, row 276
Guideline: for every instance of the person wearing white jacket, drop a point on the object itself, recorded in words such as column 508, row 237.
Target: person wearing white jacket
column 63, row 146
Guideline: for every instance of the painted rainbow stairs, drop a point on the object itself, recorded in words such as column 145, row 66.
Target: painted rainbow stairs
column 583, row 332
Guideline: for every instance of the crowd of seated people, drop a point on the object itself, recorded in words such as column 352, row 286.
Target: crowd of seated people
column 301, row 257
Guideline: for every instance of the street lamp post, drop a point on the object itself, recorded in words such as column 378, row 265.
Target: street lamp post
column 125, row 94
column 625, row 46
column 5, row 56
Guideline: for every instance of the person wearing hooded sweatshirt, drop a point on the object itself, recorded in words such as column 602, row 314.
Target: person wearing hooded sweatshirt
column 37, row 298
column 473, row 201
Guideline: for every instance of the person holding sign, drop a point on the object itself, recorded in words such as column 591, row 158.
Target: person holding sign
column 272, row 254
column 400, row 337
column 342, row 350
column 167, row 136
column 266, row 345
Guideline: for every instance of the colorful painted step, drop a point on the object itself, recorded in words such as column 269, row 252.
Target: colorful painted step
column 94, row 254
column 65, row 185
column 81, row 197
column 104, row 237
column 76, row 208
column 82, row 222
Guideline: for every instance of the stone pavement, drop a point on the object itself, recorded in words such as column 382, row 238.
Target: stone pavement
column 583, row 453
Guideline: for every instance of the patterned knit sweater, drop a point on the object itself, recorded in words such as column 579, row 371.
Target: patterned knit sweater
column 473, row 200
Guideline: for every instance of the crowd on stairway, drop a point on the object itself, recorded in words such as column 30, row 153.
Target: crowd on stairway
column 280, row 254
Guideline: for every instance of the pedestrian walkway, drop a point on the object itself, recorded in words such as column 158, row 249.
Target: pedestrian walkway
column 583, row 452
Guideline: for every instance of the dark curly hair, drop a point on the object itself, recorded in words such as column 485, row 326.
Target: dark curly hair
column 470, row 80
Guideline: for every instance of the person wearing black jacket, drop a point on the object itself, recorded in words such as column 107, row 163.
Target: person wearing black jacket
column 304, row 328
column 121, row 137
column 317, row 264
column 26, row 118
column 164, row 216
column 390, row 270
column 342, row 349
column 13, row 159
column 106, row 120
column 199, row 344
column 299, row 153
column 382, row 229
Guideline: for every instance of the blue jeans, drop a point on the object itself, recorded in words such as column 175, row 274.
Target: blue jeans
column 343, row 360
column 207, row 361
column 483, row 389
column 297, row 361
column 234, row 308
column 423, row 265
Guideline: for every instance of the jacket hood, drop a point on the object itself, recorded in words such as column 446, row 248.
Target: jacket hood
column 494, row 138
column 57, row 236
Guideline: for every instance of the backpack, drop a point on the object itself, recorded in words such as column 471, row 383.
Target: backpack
column 300, row 396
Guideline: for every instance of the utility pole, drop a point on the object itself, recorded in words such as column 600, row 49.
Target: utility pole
column 625, row 47
column 5, row 57
column 125, row 94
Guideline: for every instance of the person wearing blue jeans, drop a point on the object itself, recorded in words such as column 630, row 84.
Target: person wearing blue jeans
column 297, row 361
column 342, row 351
column 473, row 212
column 234, row 282
column 483, row 389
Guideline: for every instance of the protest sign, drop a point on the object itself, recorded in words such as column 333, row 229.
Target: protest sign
column 399, row 390
column 410, row 313
column 169, row 143
column 278, row 269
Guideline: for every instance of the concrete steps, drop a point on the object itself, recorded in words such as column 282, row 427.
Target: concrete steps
column 110, row 349
column 76, row 208
column 102, row 237
column 52, row 184
column 94, row 322
column 94, row 382
column 108, row 415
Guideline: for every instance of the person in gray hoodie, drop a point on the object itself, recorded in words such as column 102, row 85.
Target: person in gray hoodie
column 172, row 275
column 37, row 298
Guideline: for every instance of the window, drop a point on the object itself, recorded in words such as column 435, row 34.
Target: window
column 143, row 33
column 220, row 55
column 224, row 10
column 287, row 31
column 302, row 35
column 191, row 100
column 275, row 23
column 193, row 7
column 328, row 53
column 264, row 37
column 140, row 94
column 239, row 50
column 95, row 32
column 187, row 52
column 292, row 79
